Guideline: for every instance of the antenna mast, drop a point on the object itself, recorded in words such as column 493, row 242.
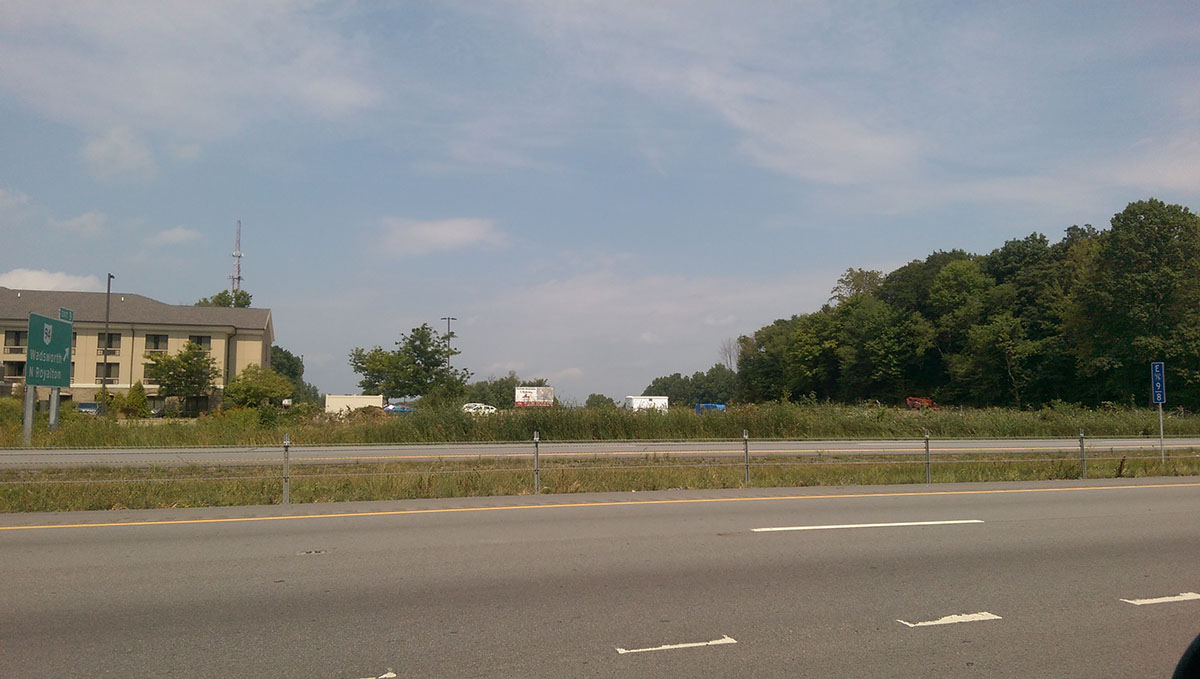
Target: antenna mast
column 237, row 260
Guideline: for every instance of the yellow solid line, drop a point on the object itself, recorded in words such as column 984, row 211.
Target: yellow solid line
column 613, row 503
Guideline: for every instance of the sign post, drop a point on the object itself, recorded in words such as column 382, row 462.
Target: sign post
column 68, row 316
column 1158, row 390
column 47, row 363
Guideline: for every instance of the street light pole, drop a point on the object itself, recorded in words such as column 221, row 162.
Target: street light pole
column 107, row 344
column 448, row 319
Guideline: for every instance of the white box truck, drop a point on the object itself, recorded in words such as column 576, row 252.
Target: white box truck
column 646, row 402
column 344, row 403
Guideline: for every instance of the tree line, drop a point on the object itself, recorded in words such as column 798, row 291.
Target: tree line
column 1027, row 324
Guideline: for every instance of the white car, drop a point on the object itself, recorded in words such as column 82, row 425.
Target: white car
column 478, row 408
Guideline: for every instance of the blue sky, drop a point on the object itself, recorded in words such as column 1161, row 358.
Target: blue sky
column 601, row 192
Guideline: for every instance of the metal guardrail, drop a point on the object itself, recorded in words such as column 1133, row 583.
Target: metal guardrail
column 710, row 452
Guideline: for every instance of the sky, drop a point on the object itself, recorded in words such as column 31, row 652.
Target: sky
column 600, row 193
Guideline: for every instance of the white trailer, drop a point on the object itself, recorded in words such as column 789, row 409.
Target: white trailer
column 344, row 403
column 646, row 402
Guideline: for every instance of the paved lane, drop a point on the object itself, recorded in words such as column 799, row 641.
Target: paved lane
column 41, row 458
column 559, row 586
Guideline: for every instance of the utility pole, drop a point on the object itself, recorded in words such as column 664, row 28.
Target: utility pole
column 448, row 319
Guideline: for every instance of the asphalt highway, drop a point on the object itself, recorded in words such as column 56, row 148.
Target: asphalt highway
column 1053, row 579
column 123, row 457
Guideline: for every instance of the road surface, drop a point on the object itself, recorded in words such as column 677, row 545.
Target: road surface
column 1062, row 579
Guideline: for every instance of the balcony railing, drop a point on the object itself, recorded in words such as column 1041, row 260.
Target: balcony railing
column 111, row 352
column 14, row 350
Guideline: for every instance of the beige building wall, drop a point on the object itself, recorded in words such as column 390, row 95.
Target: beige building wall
column 128, row 358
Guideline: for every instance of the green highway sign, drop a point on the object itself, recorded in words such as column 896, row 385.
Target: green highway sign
column 48, row 352
column 66, row 315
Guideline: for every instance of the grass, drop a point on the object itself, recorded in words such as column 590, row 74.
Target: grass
column 117, row 488
column 102, row 488
column 240, row 427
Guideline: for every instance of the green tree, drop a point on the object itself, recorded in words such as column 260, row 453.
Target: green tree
column 187, row 375
column 136, row 404
column 761, row 360
column 810, row 362
column 1139, row 302
column 239, row 299
column 880, row 349
column 676, row 387
column 291, row 366
column 855, row 282
column 717, row 385
column 994, row 368
column 257, row 386
column 599, row 401
column 418, row 367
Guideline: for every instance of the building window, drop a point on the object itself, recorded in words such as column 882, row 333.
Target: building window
column 146, row 379
column 112, row 346
column 109, row 377
column 14, row 369
column 74, row 339
column 15, row 341
column 156, row 344
column 72, row 371
column 205, row 341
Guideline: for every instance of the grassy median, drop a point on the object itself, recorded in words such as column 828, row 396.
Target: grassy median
column 103, row 488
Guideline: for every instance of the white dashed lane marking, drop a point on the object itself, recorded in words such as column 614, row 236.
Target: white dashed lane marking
column 726, row 639
column 953, row 619
column 865, row 525
column 1185, row 596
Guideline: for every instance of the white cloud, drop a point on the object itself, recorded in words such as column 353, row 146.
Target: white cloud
column 1171, row 163
column 719, row 322
column 649, row 337
column 13, row 200
column 87, row 224
column 173, row 236
column 119, row 155
column 185, row 152
column 198, row 70
column 406, row 237
column 40, row 279
column 15, row 208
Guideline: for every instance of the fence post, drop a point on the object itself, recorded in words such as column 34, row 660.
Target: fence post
column 287, row 470
column 537, row 465
column 746, row 449
column 1082, row 456
column 928, row 462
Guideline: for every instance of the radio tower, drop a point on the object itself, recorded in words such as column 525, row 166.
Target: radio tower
column 237, row 260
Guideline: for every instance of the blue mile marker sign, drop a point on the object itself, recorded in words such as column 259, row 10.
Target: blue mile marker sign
column 1158, row 383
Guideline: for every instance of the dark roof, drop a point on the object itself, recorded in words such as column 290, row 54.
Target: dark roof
column 125, row 308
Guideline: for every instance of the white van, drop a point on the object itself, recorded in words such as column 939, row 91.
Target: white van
column 478, row 408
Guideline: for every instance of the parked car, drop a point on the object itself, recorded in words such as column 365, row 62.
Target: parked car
column 88, row 407
column 478, row 408
column 398, row 408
